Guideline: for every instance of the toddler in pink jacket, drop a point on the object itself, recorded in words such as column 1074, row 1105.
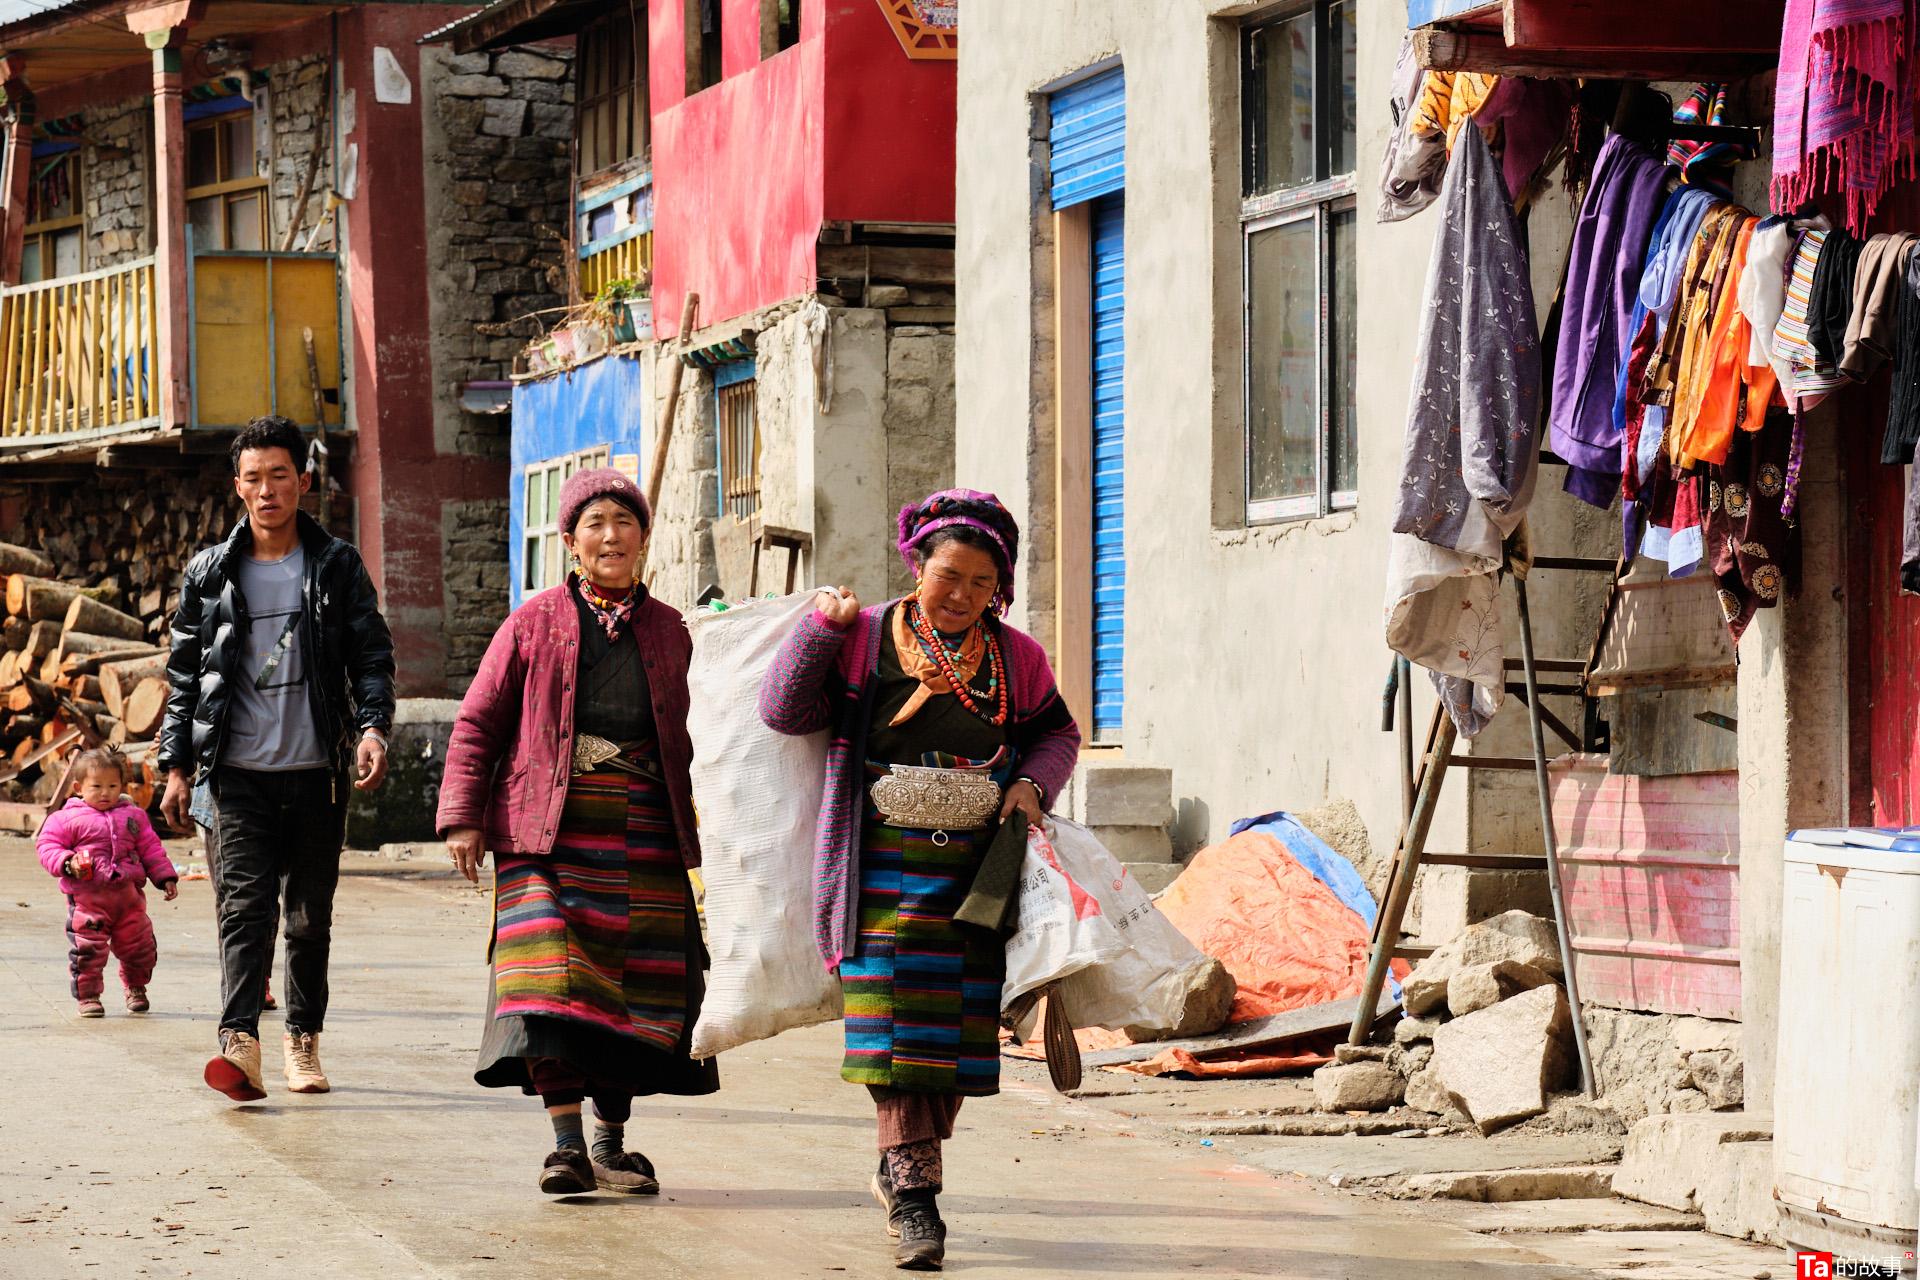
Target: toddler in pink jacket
column 104, row 849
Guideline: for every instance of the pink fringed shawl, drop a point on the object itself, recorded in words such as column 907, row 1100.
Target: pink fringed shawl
column 1843, row 106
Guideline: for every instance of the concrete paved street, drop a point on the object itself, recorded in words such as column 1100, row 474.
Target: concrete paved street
column 115, row 1161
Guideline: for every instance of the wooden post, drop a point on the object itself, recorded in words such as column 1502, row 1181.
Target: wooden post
column 15, row 170
column 663, row 434
column 164, row 28
column 1073, row 458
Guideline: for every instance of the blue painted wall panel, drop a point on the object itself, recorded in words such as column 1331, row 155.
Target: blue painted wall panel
column 1088, row 139
column 1109, row 465
column 1421, row 12
column 600, row 403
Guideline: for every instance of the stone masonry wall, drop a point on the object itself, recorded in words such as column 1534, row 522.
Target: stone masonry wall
column 475, row 537
column 115, row 169
column 918, row 420
column 500, row 177
column 499, row 174
column 296, row 108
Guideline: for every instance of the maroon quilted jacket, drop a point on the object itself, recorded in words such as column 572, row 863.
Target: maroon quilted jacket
column 512, row 746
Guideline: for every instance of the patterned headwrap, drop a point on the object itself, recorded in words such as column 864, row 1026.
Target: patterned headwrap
column 981, row 511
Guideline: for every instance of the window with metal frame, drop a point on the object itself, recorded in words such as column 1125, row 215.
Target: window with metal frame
column 737, row 438
column 544, row 563
column 226, row 196
column 56, row 234
column 1297, row 261
column 611, row 124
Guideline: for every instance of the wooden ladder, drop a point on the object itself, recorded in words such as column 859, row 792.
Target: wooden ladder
column 1422, row 784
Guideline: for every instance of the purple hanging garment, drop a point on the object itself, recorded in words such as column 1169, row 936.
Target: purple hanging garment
column 1603, row 278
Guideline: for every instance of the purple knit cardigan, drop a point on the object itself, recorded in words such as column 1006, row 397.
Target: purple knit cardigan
column 794, row 699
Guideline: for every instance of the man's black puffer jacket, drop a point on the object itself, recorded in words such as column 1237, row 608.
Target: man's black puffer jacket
column 348, row 649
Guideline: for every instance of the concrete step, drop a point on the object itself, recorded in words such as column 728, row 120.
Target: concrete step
column 1118, row 795
column 1495, row 1186
column 1154, row 876
column 1136, row 844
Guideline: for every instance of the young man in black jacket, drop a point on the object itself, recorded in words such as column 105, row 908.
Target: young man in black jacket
column 281, row 682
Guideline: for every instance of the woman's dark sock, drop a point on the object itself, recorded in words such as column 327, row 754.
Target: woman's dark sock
column 569, row 1134
column 609, row 1140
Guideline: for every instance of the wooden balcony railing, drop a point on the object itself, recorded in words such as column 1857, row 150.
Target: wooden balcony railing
column 615, row 232
column 76, row 354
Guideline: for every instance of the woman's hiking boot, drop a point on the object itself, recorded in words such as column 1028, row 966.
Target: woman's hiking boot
column 567, row 1172
column 303, row 1062
column 627, row 1174
column 915, row 1220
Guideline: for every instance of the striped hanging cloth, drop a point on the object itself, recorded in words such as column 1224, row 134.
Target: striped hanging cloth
column 1843, row 104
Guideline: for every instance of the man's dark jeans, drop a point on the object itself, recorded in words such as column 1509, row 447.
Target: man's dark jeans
column 274, row 836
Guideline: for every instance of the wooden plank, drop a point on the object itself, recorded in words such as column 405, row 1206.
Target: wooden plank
column 1073, row 458
column 1645, row 26
column 21, row 818
column 1486, row 861
column 920, row 315
column 886, row 264
column 1260, row 1033
column 1440, row 50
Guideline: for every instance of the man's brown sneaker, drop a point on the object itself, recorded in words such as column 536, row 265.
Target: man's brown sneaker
column 303, row 1063
column 567, row 1172
column 629, row 1174
column 235, row 1070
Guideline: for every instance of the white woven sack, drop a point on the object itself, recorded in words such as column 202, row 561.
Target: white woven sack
column 757, row 793
column 1061, row 929
column 1147, row 984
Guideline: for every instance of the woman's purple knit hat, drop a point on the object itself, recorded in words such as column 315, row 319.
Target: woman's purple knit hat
column 584, row 488
column 980, row 511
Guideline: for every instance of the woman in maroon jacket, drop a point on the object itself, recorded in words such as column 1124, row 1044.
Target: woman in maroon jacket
column 569, row 760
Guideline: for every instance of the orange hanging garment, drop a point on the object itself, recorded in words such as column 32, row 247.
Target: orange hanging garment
column 1719, row 395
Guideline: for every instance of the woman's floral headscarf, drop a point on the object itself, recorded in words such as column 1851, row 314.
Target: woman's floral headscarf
column 976, row 510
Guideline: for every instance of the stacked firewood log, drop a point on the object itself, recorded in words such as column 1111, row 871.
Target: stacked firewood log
column 76, row 671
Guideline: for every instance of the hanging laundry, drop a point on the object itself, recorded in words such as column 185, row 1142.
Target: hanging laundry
column 1831, row 308
column 1843, row 102
column 1603, row 274
column 1415, row 163
column 1531, row 116
column 1448, row 100
column 1756, row 548
column 1710, row 390
column 1471, row 451
column 1876, row 283
column 1903, row 399
column 1707, row 104
column 1762, row 291
column 1673, row 237
column 1813, row 379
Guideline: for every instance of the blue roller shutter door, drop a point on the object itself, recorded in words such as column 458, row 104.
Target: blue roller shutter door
column 1087, row 147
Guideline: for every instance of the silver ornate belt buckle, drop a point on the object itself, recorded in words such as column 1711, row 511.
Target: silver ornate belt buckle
column 936, row 800
column 591, row 751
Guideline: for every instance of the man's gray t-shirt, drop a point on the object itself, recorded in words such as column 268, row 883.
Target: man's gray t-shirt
column 270, row 724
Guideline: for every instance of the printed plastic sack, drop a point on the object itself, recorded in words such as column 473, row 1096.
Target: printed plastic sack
column 1060, row 929
column 758, row 796
column 1147, row 985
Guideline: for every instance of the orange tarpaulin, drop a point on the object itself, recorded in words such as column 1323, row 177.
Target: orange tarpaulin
column 1287, row 940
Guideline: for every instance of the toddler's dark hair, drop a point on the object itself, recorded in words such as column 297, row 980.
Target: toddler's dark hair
column 100, row 758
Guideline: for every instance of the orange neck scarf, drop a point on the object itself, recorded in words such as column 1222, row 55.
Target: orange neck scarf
column 915, row 662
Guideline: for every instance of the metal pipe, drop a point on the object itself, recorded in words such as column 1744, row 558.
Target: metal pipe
column 1551, row 842
column 1407, row 862
column 1405, row 669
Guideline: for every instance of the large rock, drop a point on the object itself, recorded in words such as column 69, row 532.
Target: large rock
column 1720, row 1076
column 1499, row 1065
column 1481, row 986
column 1514, row 935
column 1414, row 1030
column 1357, row 1086
column 1426, row 1093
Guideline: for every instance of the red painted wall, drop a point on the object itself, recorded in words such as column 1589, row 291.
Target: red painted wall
column 398, row 478
column 842, row 126
column 890, row 123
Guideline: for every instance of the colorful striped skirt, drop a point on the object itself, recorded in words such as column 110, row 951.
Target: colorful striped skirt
column 922, row 994
column 596, row 947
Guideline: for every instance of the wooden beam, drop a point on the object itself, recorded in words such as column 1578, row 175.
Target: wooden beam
column 888, row 264
column 1440, row 50
column 1073, row 459
column 1638, row 27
